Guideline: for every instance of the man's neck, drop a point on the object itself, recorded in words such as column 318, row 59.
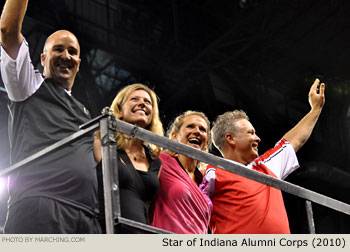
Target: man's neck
column 234, row 157
column 65, row 84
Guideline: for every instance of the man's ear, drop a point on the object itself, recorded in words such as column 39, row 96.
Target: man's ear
column 43, row 57
column 79, row 65
column 230, row 139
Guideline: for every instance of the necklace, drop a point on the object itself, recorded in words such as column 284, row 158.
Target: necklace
column 134, row 156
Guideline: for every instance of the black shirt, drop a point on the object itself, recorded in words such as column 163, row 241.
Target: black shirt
column 137, row 190
column 67, row 175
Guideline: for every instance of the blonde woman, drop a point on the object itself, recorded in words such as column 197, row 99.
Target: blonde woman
column 138, row 162
column 181, row 206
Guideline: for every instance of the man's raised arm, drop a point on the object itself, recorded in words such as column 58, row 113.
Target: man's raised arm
column 298, row 135
column 11, row 25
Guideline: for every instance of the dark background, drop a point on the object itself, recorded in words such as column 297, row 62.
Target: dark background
column 213, row 56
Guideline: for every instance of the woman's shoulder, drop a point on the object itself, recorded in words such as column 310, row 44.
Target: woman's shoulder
column 166, row 157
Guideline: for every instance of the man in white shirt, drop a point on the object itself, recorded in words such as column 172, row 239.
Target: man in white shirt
column 57, row 193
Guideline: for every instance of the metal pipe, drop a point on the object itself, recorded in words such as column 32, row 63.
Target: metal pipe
column 110, row 171
column 310, row 217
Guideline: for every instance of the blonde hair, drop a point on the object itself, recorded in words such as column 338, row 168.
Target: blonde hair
column 176, row 124
column 155, row 126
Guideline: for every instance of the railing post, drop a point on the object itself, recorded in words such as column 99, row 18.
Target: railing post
column 110, row 170
column 310, row 217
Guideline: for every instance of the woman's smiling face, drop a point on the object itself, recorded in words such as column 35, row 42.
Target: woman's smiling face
column 137, row 109
column 193, row 132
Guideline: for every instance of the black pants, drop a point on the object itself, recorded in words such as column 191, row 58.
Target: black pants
column 41, row 215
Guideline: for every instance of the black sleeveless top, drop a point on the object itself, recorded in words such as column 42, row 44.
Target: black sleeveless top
column 68, row 174
column 137, row 189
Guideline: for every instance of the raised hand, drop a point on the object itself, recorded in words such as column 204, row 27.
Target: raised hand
column 316, row 95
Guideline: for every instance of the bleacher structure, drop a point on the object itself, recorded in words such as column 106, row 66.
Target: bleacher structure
column 108, row 125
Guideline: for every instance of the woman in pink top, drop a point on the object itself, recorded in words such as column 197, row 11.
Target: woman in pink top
column 181, row 206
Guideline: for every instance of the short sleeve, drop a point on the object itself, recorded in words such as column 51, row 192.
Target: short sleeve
column 20, row 78
column 281, row 159
column 210, row 178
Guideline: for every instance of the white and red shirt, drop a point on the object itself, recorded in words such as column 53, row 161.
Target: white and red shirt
column 242, row 205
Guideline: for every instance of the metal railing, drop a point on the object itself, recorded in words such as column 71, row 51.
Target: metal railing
column 3, row 90
column 108, row 125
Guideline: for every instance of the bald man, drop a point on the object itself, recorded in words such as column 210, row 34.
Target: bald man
column 57, row 193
